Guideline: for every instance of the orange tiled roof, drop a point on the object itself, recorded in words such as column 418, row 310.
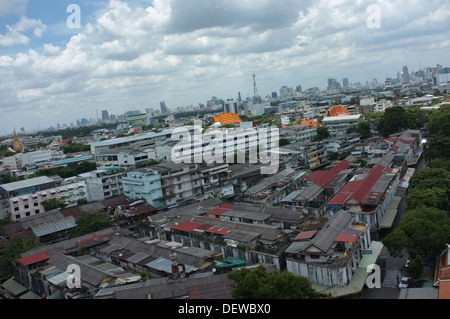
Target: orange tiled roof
column 312, row 123
column 227, row 118
column 337, row 110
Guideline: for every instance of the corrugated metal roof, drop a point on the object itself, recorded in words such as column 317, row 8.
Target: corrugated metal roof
column 165, row 265
column 187, row 226
column 305, row 235
column 54, row 226
column 27, row 183
column 14, row 287
column 34, row 258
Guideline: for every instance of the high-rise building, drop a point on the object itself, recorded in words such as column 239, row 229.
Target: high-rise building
column 231, row 106
column 345, row 82
column 405, row 75
column 333, row 85
column 105, row 116
column 286, row 92
column 164, row 109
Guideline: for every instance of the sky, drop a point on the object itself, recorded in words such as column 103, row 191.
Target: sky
column 62, row 60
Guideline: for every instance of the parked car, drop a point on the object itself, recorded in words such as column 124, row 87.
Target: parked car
column 404, row 283
column 407, row 263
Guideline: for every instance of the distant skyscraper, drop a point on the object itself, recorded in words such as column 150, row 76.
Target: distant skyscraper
column 405, row 75
column 105, row 116
column 231, row 106
column 239, row 97
column 298, row 88
column 333, row 84
column 345, row 82
column 164, row 109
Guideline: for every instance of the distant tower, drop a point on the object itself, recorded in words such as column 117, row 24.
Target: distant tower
column 105, row 116
column 163, row 106
column 256, row 97
column 405, row 75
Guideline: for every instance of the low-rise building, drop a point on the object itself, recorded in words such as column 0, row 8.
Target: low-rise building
column 330, row 256
column 103, row 183
column 338, row 125
column 23, row 198
column 144, row 183
column 181, row 183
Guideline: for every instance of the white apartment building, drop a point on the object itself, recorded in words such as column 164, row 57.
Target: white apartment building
column 366, row 101
column 382, row 105
column 103, row 183
column 21, row 199
column 181, row 183
column 145, row 184
column 338, row 125
column 72, row 190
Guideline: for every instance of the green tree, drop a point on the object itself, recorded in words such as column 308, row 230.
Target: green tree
column 260, row 284
column 85, row 166
column 322, row 133
column 75, row 148
column 423, row 232
column 89, row 223
column 362, row 128
column 10, row 252
column 427, row 178
column 395, row 242
column 394, row 120
column 438, row 143
column 52, row 203
column 283, row 142
column 432, row 197
column 416, row 267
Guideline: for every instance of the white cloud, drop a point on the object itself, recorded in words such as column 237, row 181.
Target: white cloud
column 184, row 52
column 16, row 7
column 15, row 35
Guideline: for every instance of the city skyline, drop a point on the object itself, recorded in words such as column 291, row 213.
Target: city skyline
column 133, row 54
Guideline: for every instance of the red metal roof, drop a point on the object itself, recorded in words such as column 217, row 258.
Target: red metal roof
column 34, row 258
column 187, row 226
column 369, row 182
column 326, row 178
column 305, row 235
column 94, row 237
column 214, row 229
column 346, row 238
column 218, row 211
